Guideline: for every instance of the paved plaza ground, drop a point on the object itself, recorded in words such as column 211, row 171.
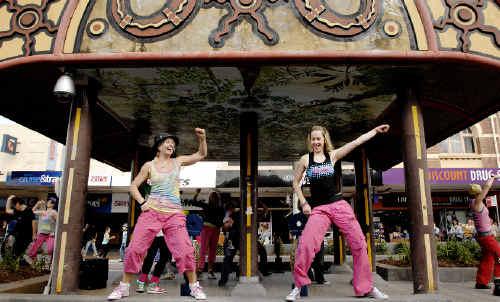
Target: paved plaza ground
column 277, row 286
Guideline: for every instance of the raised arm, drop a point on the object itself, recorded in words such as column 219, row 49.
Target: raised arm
column 478, row 202
column 138, row 180
column 347, row 148
column 186, row 160
column 9, row 209
column 298, row 174
column 198, row 203
column 37, row 208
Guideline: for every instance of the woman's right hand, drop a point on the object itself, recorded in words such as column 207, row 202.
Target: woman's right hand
column 306, row 209
column 145, row 206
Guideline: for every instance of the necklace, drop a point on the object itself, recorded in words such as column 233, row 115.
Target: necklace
column 163, row 165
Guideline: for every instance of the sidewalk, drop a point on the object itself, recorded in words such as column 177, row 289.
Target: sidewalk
column 277, row 286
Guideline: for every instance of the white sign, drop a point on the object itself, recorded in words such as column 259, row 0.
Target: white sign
column 119, row 203
column 199, row 175
column 100, row 180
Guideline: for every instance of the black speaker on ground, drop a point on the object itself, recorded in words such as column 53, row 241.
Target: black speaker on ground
column 93, row 273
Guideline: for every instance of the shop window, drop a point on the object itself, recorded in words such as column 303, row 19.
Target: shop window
column 462, row 142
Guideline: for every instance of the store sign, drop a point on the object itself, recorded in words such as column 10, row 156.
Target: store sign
column 444, row 176
column 32, row 178
column 400, row 200
column 100, row 180
column 120, row 203
column 491, row 201
column 99, row 203
column 199, row 175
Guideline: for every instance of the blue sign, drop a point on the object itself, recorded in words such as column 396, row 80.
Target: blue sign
column 33, row 178
column 99, row 203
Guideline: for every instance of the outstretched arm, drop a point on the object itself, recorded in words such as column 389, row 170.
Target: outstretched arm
column 347, row 148
column 478, row 202
column 36, row 209
column 187, row 160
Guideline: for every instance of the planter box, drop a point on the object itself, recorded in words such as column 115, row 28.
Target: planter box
column 446, row 274
column 28, row 286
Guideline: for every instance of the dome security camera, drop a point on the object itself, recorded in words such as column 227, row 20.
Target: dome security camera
column 65, row 87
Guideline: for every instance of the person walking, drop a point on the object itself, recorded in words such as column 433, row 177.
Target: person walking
column 213, row 215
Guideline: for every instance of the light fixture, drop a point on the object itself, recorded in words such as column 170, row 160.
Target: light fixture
column 65, row 87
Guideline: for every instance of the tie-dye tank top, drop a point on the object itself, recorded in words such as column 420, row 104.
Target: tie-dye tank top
column 165, row 194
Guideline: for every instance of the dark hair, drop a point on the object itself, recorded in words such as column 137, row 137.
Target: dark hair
column 160, row 139
column 54, row 201
column 214, row 199
column 17, row 200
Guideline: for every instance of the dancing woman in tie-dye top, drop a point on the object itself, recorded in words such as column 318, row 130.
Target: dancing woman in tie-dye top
column 162, row 210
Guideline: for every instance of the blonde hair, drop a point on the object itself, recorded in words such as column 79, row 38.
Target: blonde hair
column 475, row 189
column 328, row 147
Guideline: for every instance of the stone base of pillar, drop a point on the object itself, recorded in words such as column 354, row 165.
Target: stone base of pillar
column 340, row 269
column 249, row 287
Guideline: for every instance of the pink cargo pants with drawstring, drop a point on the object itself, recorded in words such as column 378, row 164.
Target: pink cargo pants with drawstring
column 341, row 214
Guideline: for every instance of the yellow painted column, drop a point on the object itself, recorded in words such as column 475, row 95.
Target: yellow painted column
column 363, row 206
column 66, row 260
column 423, row 250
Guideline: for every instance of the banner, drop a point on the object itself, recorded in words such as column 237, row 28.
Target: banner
column 32, row 178
column 444, row 176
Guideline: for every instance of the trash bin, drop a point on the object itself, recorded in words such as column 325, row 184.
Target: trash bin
column 93, row 273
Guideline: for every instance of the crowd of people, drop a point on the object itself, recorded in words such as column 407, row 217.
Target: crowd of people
column 28, row 229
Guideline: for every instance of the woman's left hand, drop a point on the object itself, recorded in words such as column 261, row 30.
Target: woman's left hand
column 382, row 128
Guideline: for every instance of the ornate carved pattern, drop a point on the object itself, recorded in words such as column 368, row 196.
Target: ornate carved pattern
column 466, row 15
column 27, row 20
column 172, row 16
column 321, row 17
column 251, row 10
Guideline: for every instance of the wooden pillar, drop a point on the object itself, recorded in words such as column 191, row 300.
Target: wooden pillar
column 423, row 251
column 363, row 202
column 248, row 193
column 132, row 205
column 338, row 238
column 67, row 254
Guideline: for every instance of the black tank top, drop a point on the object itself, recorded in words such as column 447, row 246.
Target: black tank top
column 322, row 180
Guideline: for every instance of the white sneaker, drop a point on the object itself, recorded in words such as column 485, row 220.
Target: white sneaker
column 121, row 291
column 376, row 294
column 293, row 295
column 197, row 291
column 28, row 259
